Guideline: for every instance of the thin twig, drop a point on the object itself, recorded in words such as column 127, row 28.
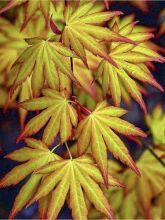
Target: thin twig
column 149, row 148
column 55, row 147
column 66, row 144
column 71, row 65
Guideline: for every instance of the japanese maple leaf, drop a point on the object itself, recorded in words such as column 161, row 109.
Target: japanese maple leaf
column 77, row 178
column 149, row 186
column 30, row 8
column 156, row 123
column 34, row 155
column 139, row 195
column 82, row 28
column 24, row 92
column 57, row 113
column 11, row 43
column 42, row 61
column 131, row 61
column 98, row 131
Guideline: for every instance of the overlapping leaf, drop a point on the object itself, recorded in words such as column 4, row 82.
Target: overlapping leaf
column 58, row 114
column 42, row 59
column 30, row 8
column 140, row 194
column 77, row 178
column 82, row 29
column 150, row 184
column 11, row 43
column 131, row 61
column 98, row 131
column 34, row 155
column 156, row 124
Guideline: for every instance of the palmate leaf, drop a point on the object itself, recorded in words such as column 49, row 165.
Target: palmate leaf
column 11, row 43
column 82, row 29
column 77, row 178
column 131, row 61
column 34, row 155
column 30, row 8
column 35, row 28
column 22, row 93
column 98, row 131
column 139, row 195
column 57, row 111
column 156, row 123
column 42, row 60
column 149, row 186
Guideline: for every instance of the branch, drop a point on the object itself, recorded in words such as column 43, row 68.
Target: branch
column 147, row 145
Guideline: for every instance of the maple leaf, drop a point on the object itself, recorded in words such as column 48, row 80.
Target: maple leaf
column 42, row 61
column 131, row 61
column 140, row 192
column 30, row 8
column 34, row 28
column 34, row 155
column 150, row 184
column 82, row 29
column 138, row 196
column 57, row 110
column 78, row 177
column 156, row 123
column 97, row 130
column 11, row 42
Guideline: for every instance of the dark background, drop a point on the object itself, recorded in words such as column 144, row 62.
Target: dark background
column 9, row 126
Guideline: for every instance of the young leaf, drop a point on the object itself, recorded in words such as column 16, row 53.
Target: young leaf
column 151, row 183
column 131, row 61
column 33, row 158
column 97, row 131
column 30, row 8
column 71, row 178
column 156, row 121
column 58, row 114
column 42, row 61
column 83, row 30
column 34, row 155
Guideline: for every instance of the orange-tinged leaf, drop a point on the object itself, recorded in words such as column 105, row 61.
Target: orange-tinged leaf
column 58, row 198
column 77, row 197
column 25, row 153
column 95, row 131
column 118, row 148
column 30, row 8
column 25, row 194
column 42, row 61
column 121, row 80
column 32, row 163
column 49, row 183
column 21, row 171
column 99, row 150
column 71, row 178
column 94, row 174
column 95, row 195
column 62, row 117
column 83, row 29
column 98, row 17
column 43, row 205
column 34, row 156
